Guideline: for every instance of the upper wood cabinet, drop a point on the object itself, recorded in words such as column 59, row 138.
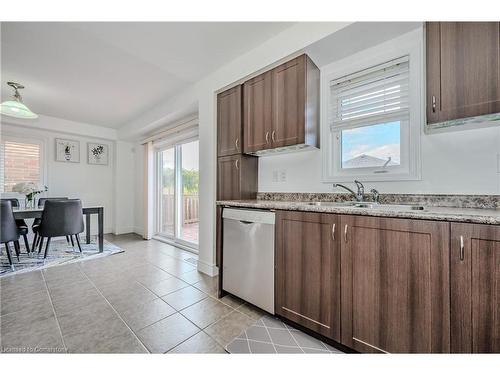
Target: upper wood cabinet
column 395, row 285
column 463, row 70
column 257, row 110
column 237, row 177
column 229, row 122
column 281, row 107
column 308, row 271
column 475, row 288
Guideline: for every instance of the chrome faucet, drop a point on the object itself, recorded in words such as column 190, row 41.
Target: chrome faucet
column 360, row 195
column 376, row 195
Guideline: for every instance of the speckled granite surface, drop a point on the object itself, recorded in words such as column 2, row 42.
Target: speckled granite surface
column 435, row 200
column 456, row 214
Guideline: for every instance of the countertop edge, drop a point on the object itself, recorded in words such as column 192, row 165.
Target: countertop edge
column 461, row 217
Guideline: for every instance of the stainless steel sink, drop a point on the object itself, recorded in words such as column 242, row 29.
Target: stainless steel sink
column 371, row 205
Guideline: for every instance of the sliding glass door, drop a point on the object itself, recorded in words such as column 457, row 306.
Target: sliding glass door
column 177, row 193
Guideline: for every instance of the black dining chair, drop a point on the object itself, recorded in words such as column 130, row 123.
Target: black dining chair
column 9, row 232
column 21, row 225
column 37, row 221
column 61, row 218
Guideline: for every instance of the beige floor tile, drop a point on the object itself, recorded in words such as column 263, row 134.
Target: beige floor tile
column 208, row 285
column 167, row 333
column 229, row 327
column 232, row 301
column 251, row 311
column 184, row 297
column 20, row 301
column 206, row 312
column 143, row 315
column 199, row 343
column 167, row 286
column 192, row 277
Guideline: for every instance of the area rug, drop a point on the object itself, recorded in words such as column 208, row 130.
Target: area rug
column 59, row 253
column 271, row 335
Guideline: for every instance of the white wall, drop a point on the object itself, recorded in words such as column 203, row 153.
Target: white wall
column 458, row 162
column 93, row 184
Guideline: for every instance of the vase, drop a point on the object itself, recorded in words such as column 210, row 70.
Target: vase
column 29, row 203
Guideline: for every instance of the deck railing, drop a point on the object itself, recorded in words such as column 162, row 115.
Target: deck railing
column 190, row 206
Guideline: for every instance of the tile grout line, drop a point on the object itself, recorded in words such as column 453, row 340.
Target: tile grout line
column 116, row 312
column 54, row 311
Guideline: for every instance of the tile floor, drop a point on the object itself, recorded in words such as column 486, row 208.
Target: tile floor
column 149, row 299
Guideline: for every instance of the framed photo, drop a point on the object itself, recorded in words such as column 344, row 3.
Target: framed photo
column 98, row 153
column 67, row 150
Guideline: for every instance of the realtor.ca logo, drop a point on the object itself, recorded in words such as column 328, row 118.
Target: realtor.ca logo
column 30, row 349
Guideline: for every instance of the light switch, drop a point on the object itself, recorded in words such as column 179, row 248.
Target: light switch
column 275, row 176
column 283, row 175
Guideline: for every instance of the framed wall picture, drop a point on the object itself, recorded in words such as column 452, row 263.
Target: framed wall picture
column 67, row 150
column 98, row 153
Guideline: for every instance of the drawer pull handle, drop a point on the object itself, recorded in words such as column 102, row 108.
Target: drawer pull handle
column 462, row 248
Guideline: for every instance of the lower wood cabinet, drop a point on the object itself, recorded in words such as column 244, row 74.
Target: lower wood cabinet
column 395, row 285
column 475, row 288
column 308, row 271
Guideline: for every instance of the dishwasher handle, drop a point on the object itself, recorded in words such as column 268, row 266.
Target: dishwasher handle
column 246, row 222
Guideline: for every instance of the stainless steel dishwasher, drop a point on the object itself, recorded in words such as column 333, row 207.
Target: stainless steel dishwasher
column 248, row 256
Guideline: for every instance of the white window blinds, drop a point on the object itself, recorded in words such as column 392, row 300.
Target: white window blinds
column 373, row 96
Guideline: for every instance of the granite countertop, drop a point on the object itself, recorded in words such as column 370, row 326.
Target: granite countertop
column 463, row 215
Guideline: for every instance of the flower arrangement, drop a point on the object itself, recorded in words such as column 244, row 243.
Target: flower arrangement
column 30, row 190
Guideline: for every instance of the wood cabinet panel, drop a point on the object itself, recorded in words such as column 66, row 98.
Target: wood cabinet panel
column 229, row 127
column 475, row 288
column 463, row 69
column 307, row 271
column 237, row 177
column 395, row 285
column 289, row 103
column 257, row 109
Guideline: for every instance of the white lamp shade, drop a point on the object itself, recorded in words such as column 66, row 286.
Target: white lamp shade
column 17, row 109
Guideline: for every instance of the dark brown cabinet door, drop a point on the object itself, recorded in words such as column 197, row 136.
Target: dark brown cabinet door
column 463, row 69
column 289, row 103
column 237, row 177
column 307, row 271
column 475, row 288
column 257, row 113
column 395, row 285
column 229, row 122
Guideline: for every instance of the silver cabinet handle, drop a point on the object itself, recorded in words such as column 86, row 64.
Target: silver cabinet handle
column 236, row 163
column 462, row 248
column 236, row 144
column 272, row 135
column 333, row 231
column 433, row 104
column 267, row 137
column 345, row 233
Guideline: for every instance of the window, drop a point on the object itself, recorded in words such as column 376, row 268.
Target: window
column 372, row 118
column 20, row 161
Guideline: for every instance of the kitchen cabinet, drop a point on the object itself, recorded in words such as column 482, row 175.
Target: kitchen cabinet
column 257, row 109
column 237, row 177
column 395, row 285
column 281, row 107
column 308, row 271
column 463, row 69
column 229, row 121
column 475, row 288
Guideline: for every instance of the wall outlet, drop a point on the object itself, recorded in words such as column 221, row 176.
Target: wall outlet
column 275, row 176
column 283, row 175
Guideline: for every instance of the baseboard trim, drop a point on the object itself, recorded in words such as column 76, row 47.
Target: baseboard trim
column 208, row 269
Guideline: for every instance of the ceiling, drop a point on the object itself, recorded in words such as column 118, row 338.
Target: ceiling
column 110, row 73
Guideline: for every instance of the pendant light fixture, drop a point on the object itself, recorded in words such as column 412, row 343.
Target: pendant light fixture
column 15, row 107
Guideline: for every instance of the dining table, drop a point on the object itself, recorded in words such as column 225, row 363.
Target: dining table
column 34, row 213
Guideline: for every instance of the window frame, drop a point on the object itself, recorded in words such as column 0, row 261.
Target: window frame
column 21, row 138
column 410, row 44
